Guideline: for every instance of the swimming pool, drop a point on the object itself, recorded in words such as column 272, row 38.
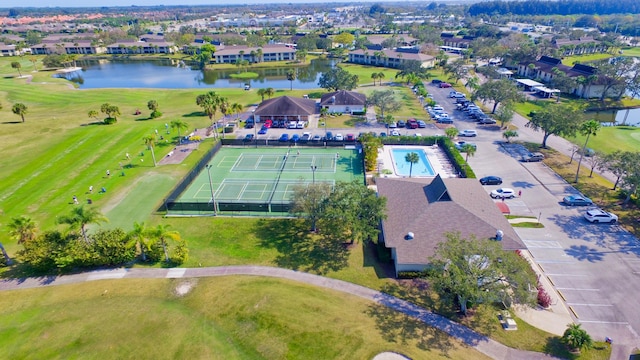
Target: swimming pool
column 421, row 168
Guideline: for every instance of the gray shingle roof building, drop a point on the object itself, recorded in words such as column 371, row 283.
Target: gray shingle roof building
column 430, row 208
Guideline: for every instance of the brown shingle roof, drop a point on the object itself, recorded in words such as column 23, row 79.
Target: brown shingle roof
column 343, row 97
column 429, row 208
column 286, row 105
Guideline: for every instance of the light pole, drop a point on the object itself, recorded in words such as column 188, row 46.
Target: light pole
column 255, row 136
column 213, row 200
column 313, row 172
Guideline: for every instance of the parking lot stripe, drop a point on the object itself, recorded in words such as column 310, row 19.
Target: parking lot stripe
column 577, row 275
column 577, row 289
column 604, row 322
column 592, row 305
column 556, row 261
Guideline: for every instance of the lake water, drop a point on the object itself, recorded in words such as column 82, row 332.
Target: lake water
column 628, row 117
column 169, row 74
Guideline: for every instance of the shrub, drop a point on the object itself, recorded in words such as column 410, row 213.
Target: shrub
column 155, row 114
column 544, row 299
column 180, row 253
column 109, row 121
column 410, row 274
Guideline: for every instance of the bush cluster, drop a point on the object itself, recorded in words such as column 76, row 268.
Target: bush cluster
column 109, row 121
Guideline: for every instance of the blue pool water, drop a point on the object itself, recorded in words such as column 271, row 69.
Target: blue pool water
column 421, row 168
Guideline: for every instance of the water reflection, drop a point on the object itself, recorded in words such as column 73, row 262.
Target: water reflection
column 628, row 117
column 173, row 74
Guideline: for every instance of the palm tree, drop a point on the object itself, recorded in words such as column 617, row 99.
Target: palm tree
column 576, row 338
column 473, row 83
column 509, row 134
column 179, row 125
column 291, row 75
column 236, row 109
column 411, row 158
column 140, row 235
column 34, row 60
column 6, row 256
column 469, row 149
column 80, row 217
column 587, row 129
column 269, row 92
column 262, row 93
column 162, row 234
column 20, row 110
column 259, row 54
column 374, row 76
column 380, row 77
column 150, row 141
column 209, row 104
column 23, row 229
column 451, row 132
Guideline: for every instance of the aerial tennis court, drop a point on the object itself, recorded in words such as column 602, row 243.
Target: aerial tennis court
column 264, row 179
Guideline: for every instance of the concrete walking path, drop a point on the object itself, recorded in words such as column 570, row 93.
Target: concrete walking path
column 477, row 341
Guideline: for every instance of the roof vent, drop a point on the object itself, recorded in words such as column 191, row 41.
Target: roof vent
column 333, row 99
column 409, row 236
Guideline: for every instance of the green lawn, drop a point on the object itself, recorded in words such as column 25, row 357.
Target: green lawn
column 571, row 60
column 631, row 51
column 221, row 318
column 410, row 105
column 364, row 73
column 609, row 139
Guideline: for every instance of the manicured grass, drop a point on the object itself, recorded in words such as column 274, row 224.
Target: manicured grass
column 533, row 225
column 244, row 75
column 341, row 121
column 571, row 60
column 612, row 138
column 364, row 73
column 228, row 318
column 410, row 107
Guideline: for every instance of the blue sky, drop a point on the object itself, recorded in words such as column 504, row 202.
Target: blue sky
column 96, row 3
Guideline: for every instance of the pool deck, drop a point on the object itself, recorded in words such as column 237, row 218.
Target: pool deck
column 438, row 159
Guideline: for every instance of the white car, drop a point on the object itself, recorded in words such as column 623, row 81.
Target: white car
column 469, row 133
column 338, row 137
column 600, row 216
column 506, row 193
column 395, row 133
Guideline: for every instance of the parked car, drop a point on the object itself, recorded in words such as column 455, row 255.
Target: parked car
column 491, row 180
column 506, row 193
column 461, row 144
column 577, row 200
column 438, row 107
column 422, row 124
column 392, row 125
column 339, row 137
column 412, row 124
column 468, row 133
column 395, row 133
column 300, row 125
column 267, row 124
column 248, row 137
column 305, row 137
column 383, row 134
column 436, row 81
column 533, row 157
column 599, row 215
column 263, row 130
column 284, row 137
column 444, row 120
column 350, row 137
column 291, row 125
column 316, row 138
column 444, row 85
column 295, row 138
column 401, row 123
column 329, row 136
column 486, row 121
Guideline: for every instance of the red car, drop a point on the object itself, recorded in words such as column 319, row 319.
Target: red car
column 268, row 123
column 445, row 85
column 412, row 124
column 350, row 137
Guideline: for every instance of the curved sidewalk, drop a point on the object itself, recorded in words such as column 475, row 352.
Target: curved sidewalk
column 479, row 342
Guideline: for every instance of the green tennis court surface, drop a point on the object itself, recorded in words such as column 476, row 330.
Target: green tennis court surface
column 269, row 175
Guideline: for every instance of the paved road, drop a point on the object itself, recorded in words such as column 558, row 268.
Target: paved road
column 479, row 342
column 590, row 265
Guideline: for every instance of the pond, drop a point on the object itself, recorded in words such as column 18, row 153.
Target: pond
column 628, row 117
column 173, row 74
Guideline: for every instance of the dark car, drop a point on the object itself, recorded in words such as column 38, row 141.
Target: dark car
column 412, row 124
column 401, row 123
column 295, row 138
column 436, row 81
column 263, row 130
column 487, row 121
column 383, row 134
column 329, row 136
column 577, row 200
column 305, row 137
column 248, row 137
column 350, row 137
column 491, row 180
column 248, row 125
column 284, row 137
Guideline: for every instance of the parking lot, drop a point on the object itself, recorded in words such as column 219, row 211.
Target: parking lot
column 590, row 265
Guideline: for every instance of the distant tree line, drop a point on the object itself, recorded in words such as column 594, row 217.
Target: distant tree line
column 562, row 7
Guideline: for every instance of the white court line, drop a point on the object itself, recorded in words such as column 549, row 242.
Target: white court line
column 244, row 187
column 175, row 273
column 542, row 244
